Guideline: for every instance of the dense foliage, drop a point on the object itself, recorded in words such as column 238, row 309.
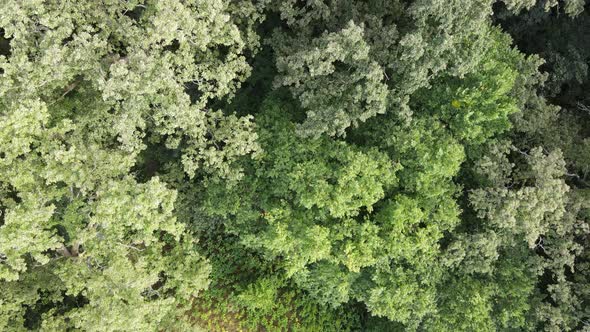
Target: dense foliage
column 289, row 165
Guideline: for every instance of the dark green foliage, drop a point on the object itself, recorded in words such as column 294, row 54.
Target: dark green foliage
column 247, row 293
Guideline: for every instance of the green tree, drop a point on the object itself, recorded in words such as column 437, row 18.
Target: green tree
column 84, row 89
column 317, row 208
column 319, row 165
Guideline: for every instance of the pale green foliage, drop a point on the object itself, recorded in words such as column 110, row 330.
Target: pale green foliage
column 450, row 37
column 340, row 42
column 85, row 87
column 525, row 211
column 572, row 7
column 335, row 81
column 108, row 251
column 24, row 233
column 523, row 207
column 135, row 70
column 518, row 5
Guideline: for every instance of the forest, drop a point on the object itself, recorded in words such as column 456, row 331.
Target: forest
column 295, row 165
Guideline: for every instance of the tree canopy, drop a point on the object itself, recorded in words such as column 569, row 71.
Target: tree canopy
column 317, row 165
